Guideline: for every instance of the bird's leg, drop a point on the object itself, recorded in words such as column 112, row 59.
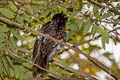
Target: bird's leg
column 39, row 37
column 59, row 44
column 56, row 49
column 45, row 38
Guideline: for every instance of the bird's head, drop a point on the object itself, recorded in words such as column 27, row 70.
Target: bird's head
column 60, row 18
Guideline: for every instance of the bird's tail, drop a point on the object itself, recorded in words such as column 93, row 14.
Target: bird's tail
column 42, row 62
column 39, row 58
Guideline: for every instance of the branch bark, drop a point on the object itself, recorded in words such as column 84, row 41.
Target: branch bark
column 66, row 67
column 54, row 75
column 102, row 6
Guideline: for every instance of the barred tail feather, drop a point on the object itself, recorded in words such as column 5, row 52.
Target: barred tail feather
column 39, row 58
column 42, row 62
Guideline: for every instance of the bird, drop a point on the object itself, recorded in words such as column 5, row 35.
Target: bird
column 45, row 49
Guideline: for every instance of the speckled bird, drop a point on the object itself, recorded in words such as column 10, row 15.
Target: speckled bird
column 44, row 48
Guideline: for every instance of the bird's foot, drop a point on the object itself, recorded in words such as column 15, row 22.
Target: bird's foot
column 39, row 37
column 46, row 37
column 56, row 49
column 59, row 44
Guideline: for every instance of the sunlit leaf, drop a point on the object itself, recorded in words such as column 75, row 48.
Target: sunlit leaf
column 106, row 15
column 80, row 4
column 30, row 45
column 94, row 29
column 73, row 14
column 95, row 9
column 72, row 26
column 104, row 35
column 107, row 54
column 26, row 17
column 7, row 12
column 6, row 65
column 12, row 6
column 87, row 27
column 13, row 42
column 2, row 39
column 16, row 34
column 69, row 34
column 1, row 67
column 11, row 47
column 10, row 62
column 2, row 34
column 19, row 19
column 3, row 28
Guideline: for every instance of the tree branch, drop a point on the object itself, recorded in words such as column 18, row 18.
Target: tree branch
column 65, row 67
column 102, row 6
column 72, row 70
column 53, row 74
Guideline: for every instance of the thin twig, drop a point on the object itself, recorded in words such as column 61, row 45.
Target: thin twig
column 75, row 71
column 53, row 74
column 102, row 6
column 67, row 68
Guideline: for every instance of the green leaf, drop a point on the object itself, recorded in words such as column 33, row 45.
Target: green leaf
column 107, row 54
column 80, row 4
column 7, row 12
column 13, row 42
column 35, row 8
column 10, row 62
column 78, row 23
column 115, row 41
column 26, row 17
column 16, row 34
column 106, row 15
column 3, row 27
column 97, row 15
column 87, row 27
column 19, row 19
column 72, row 26
column 6, row 65
column 1, row 67
column 17, row 73
column 2, row 40
column 30, row 45
column 12, row 6
column 81, row 22
column 105, row 36
column 3, row 35
column 94, row 29
column 95, row 9
column 69, row 34
column 73, row 14
column 103, row 42
column 11, row 47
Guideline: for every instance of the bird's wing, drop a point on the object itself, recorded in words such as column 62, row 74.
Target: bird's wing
column 40, row 51
column 37, row 46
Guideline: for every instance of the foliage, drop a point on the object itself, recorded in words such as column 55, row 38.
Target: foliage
column 81, row 24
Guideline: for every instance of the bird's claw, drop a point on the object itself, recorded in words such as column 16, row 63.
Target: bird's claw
column 45, row 38
column 39, row 37
column 58, row 45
